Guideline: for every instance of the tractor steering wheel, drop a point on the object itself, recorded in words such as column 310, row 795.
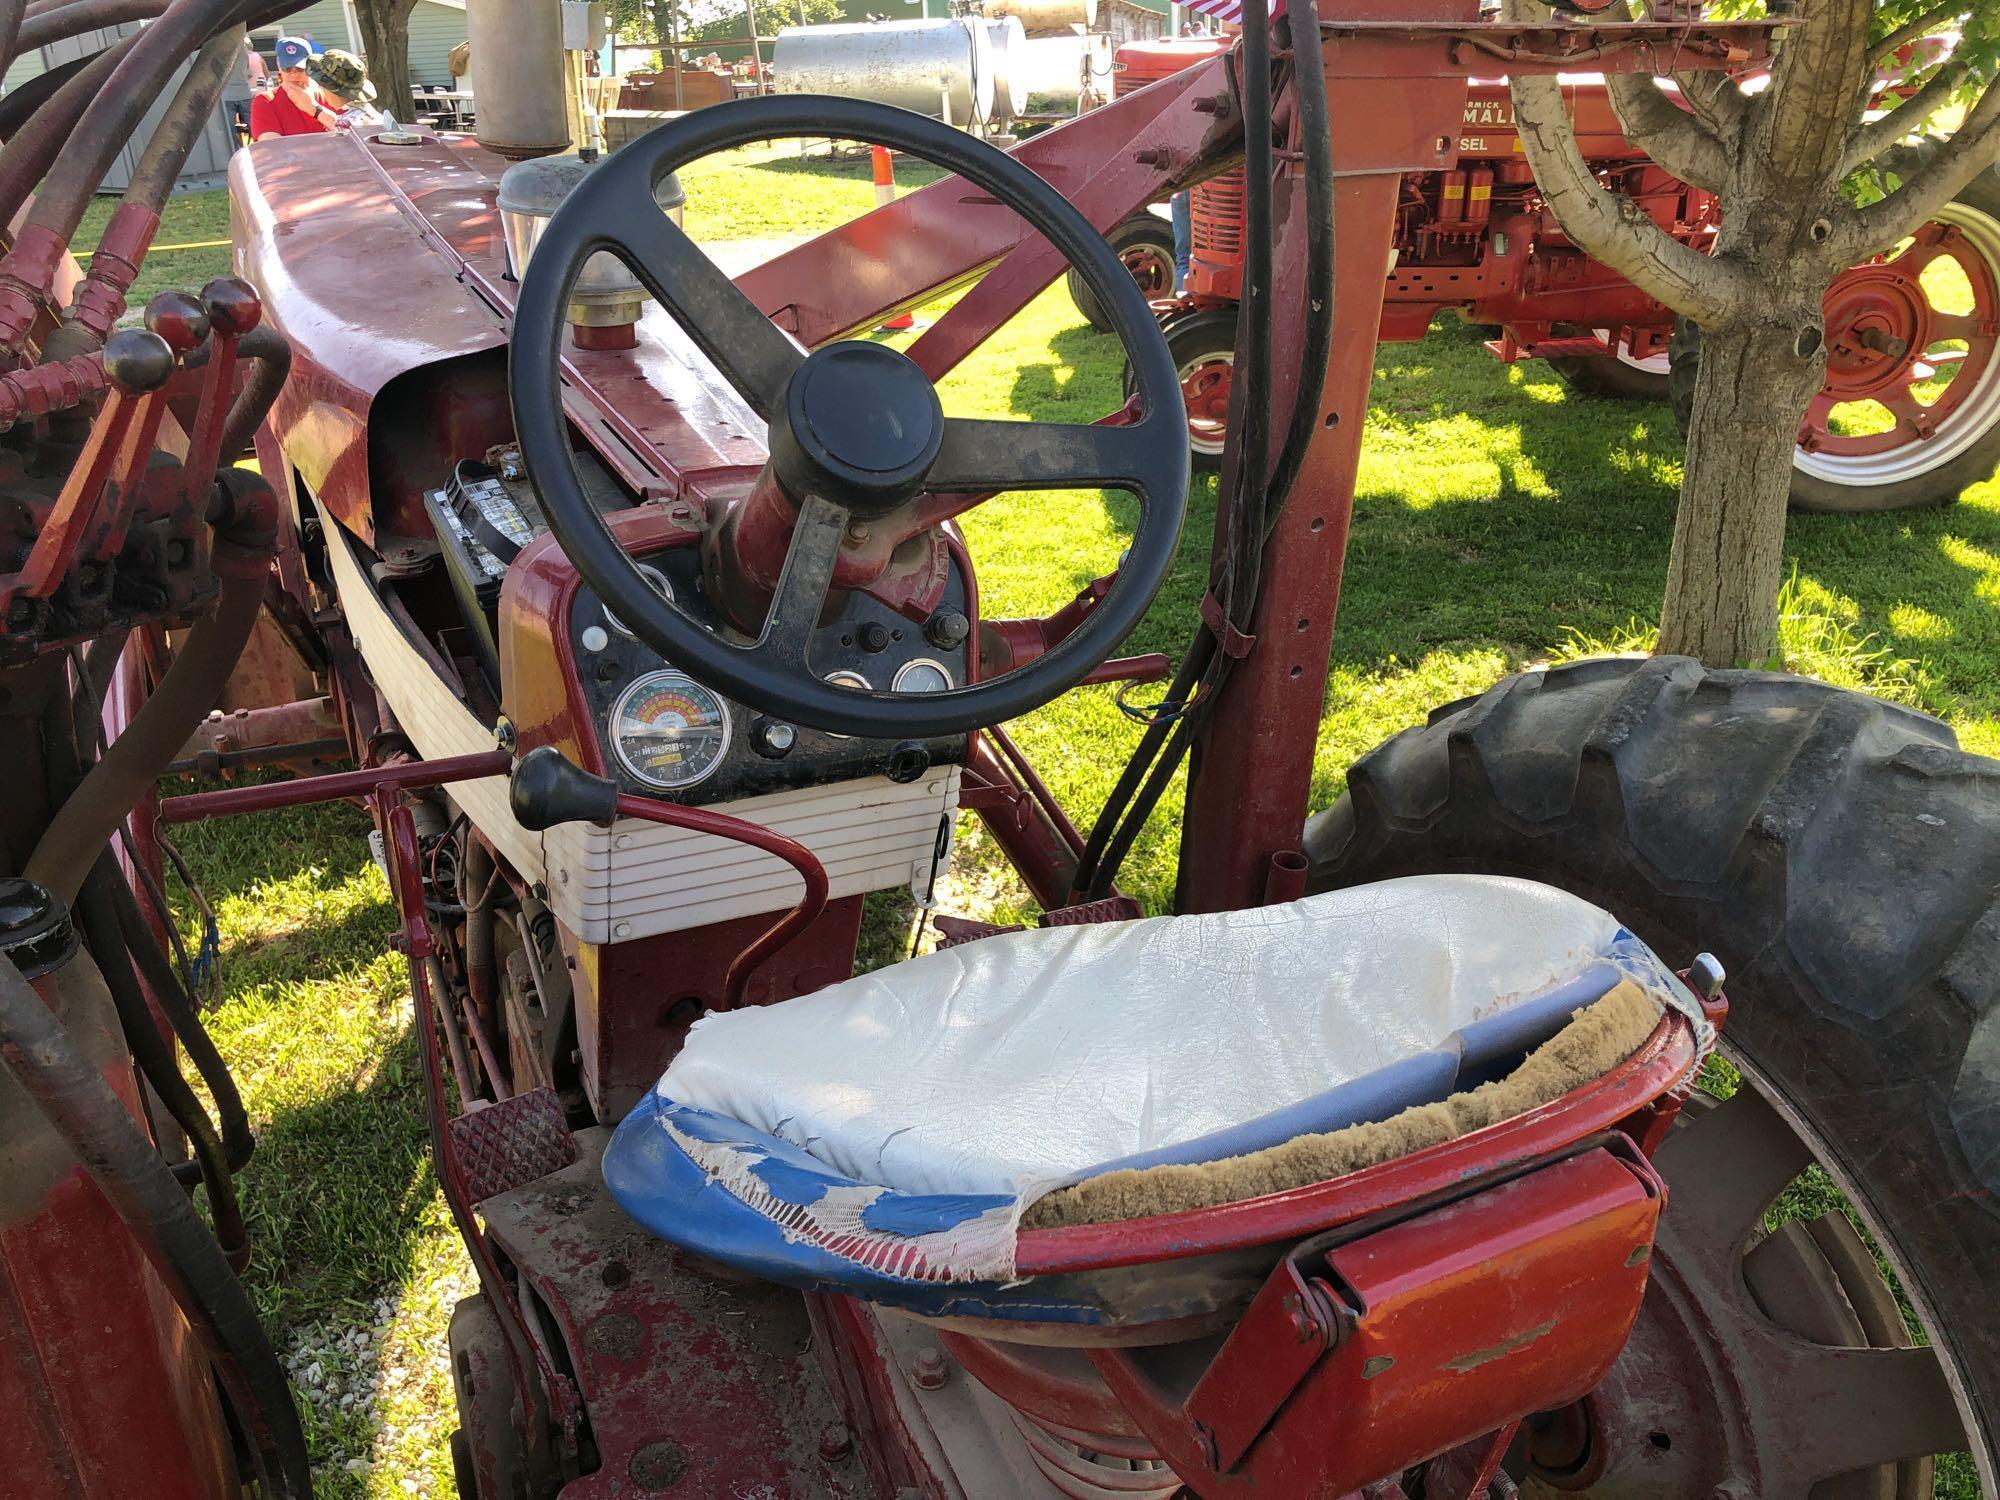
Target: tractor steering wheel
column 856, row 431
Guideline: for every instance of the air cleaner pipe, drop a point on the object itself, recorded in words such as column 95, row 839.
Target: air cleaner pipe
column 80, row 1105
column 516, row 58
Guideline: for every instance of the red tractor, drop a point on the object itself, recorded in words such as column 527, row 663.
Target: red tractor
column 636, row 597
column 1911, row 410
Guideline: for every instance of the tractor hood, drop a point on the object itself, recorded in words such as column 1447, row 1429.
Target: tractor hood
column 385, row 265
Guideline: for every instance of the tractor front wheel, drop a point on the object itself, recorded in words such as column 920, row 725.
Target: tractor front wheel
column 1620, row 376
column 1824, row 1313
column 1145, row 243
column 1203, row 345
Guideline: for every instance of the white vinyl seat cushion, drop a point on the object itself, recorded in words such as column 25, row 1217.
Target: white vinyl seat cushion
column 1025, row 1061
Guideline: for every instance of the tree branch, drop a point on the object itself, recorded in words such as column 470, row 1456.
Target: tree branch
column 1717, row 101
column 1871, row 139
column 1666, row 132
column 1934, row 19
column 1819, row 81
column 1970, row 151
column 1612, row 228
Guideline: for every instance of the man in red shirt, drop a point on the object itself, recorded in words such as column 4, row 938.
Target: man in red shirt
column 294, row 107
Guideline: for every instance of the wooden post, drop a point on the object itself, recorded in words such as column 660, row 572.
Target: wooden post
column 756, row 47
column 674, row 42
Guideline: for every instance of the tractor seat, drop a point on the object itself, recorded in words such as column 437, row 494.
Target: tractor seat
column 895, row 1127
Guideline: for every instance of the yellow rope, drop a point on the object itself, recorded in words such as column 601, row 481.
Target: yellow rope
column 157, row 249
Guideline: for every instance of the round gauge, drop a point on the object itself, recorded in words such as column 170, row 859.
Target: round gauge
column 922, row 676
column 660, row 586
column 846, row 679
column 669, row 731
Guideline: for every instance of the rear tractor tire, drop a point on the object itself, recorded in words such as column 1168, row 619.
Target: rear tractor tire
column 1841, row 856
column 1145, row 243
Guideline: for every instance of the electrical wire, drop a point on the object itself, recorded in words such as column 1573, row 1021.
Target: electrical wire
column 1198, row 683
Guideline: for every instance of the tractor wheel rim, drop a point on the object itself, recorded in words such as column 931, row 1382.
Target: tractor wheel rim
column 1152, row 268
column 1205, row 389
column 1652, row 364
column 1887, row 343
column 1763, row 1363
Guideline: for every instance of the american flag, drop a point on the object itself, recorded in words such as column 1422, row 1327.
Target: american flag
column 1231, row 10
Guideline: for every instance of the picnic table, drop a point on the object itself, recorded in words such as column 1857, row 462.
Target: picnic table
column 443, row 106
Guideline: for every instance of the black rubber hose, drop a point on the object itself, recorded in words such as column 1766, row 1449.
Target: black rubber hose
column 114, row 113
column 97, row 915
column 109, row 1145
column 181, row 126
column 272, row 353
column 12, row 14
column 1316, row 142
column 175, row 1003
column 60, row 23
column 1139, row 790
column 34, row 144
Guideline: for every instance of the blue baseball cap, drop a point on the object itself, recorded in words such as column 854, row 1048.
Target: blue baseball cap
column 293, row 51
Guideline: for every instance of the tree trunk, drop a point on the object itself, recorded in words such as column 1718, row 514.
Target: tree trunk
column 385, row 37
column 1729, row 532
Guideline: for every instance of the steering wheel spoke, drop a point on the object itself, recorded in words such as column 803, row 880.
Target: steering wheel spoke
column 802, row 585
column 755, row 355
column 988, row 456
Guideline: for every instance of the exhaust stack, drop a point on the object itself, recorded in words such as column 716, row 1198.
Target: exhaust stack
column 516, row 65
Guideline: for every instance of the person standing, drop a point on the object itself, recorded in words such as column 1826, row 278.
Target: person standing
column 294, row 107
column 345, row 86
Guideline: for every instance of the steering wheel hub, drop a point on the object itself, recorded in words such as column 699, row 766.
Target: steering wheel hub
column 859, row 425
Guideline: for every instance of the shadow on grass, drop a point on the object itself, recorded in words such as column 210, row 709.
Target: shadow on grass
column 855, row 163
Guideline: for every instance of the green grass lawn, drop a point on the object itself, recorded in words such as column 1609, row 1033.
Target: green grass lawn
column 1500, row 521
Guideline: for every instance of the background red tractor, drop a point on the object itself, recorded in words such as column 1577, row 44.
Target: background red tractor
column 1910, row 414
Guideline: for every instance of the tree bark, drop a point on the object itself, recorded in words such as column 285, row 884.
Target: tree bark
column 385, row 37
column 1729, row 531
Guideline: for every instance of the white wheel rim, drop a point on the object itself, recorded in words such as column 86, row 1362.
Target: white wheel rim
column 1962, row 427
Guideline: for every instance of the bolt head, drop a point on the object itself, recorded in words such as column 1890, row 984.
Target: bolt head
column 930, row 1370
column 835, row 1442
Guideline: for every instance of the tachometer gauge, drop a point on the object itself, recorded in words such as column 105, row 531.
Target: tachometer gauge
column 660, row 586
column 669, row 731
column 922, row 676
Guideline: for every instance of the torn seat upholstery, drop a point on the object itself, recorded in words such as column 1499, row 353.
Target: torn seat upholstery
column 887, row 1133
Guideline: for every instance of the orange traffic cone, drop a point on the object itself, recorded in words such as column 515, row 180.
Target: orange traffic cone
column 885, row 192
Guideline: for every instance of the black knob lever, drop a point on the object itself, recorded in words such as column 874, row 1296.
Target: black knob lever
column 546, row 790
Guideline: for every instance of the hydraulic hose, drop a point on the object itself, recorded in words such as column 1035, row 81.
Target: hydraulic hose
column 173, row 1000
column 33, row 145
column 271, row 353
column 57, row 23
column 181, row 126
column 110, row 118
column 12, row 14
column 1150, row 771
column 109, row 1145
column 85, row 822
column 97, row 914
